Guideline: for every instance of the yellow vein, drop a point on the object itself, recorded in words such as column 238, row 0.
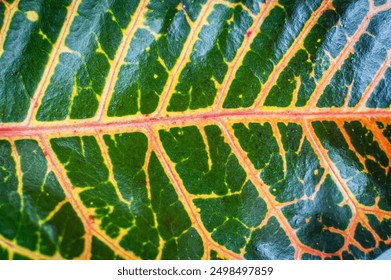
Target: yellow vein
column 119, row 58
column 207, row 148
column 295, row 92
column 72, row 98
column 54, row 166
column 53, row 59
column 183, row 197
column 236, row 63
column 282, row 64
column 277, row 136
column 9, row 13
column 19, row 173
column 263, row 190
column 25, row 252
column 78, row 208
column 182, row 194
column 107, row 162
column 54, row 211
column 195, row 28
column 148, row 185
column 375, row 81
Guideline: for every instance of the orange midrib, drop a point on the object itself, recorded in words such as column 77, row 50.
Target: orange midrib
column 81, row 126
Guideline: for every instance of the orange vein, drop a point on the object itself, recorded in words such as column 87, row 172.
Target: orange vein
column 119, row 58
column 11, row 9
column 339, row 61
column 183, row 197
column 54, row 56
column 235, row 64
column 281, row 65
column 128, row 124
column 317, row 146
column 269, row 198
column 185, row 55
column 347, row 194
column 380, row 138
column 359, row 217
column 345, row 191
column 362, row 208
column 78, row 208
column 375, row 81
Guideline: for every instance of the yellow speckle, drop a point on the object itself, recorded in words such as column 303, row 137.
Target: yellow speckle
column 32, row 16
column 155, row 76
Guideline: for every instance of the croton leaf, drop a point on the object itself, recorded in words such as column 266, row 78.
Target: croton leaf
column 195, row 129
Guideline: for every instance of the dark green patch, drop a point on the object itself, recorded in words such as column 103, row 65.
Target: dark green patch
column 364, row 143
column 100, row 251
column 186, row 247
column 173, row 221
column 381, row 95
column 41, row 193
column 307, row 256
column 10, row 199
column 360, row 183
column 65, row 232
column 269, row 243
column 303, row 170
column 26, row 52
column 215, row 256
column 277, row 34
column 83, row 161
column 186, row 148
column 142, row 78
column 382, row 228
column 217, row 45
column 127, row 154
column 20, row 257
column 171, row 216
column 229, row 218
column 312, row 218
column 80, row 76
column 4, row 253
column 345, row 87
column 364, row 237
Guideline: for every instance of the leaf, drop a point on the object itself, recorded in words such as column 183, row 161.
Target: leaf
column 195, row 129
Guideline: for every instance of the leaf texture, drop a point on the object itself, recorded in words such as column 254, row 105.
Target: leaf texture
column 208, row 129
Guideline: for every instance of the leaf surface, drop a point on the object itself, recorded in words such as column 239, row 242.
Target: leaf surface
column 209, row 129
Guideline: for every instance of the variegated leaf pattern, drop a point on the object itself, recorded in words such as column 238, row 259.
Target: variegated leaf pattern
column 195, row 129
